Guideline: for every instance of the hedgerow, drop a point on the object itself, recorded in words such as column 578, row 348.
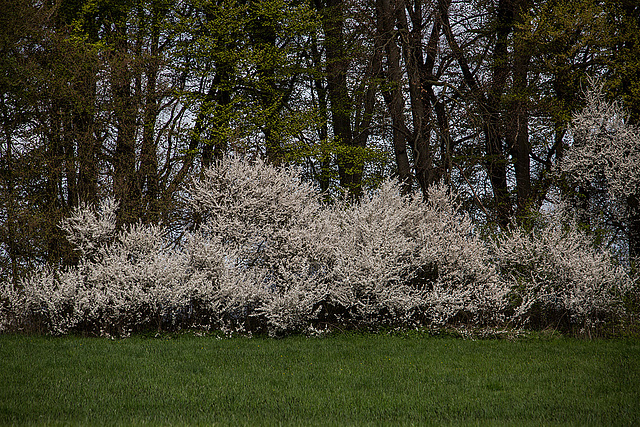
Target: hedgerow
column 265, row 254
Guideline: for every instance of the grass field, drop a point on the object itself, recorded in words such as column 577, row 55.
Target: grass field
column 335, row 380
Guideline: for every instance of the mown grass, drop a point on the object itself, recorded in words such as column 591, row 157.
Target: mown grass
column 335, row 380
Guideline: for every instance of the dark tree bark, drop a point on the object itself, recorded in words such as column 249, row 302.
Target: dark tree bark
column 349, row 167
column 320, row 89
column 8, row 233
column 517, row 128
column 420, row 74
column 125, row 186
column 392, row 93
column 263, row 35
column 488, row 104
column 148, row 180
column 88, row 149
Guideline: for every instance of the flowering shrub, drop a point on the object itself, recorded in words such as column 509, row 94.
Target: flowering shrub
column 266, row 255
column 292, row 262
column 558, row 279
column 606, row 149
column 602, row 168
column 90, row 229
column 135, row 283
column 268, row 224
column 406, row 259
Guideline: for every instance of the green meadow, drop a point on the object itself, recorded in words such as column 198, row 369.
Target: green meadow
column 343, row 379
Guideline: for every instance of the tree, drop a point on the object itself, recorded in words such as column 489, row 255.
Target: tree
column 352, row 53
column 92, row 85
column 604, row 161
column 246, row 62
column 21, row 29
column 406, row 23
column 623, row 63
column 47, row 108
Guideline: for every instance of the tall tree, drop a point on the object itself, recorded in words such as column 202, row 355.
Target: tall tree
column 623, row 59
column 245, row 62
column 333, row 21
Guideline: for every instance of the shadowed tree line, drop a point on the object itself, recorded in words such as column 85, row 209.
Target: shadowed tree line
column 134, row 99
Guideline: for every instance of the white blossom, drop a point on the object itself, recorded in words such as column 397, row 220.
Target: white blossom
column 603, row 165
column 267, row 255
column 556, row 273
column 89, row 229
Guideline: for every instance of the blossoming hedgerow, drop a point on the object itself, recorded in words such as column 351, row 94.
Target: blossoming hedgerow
column 268, row 255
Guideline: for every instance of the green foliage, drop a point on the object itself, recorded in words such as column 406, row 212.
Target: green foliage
column 623, row 78
column 250, row 56
column 566, row 41
column 374, row 160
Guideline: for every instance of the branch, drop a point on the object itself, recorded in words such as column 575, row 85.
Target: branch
column 475, row 195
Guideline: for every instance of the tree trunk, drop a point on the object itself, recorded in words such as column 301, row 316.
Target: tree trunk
column 54, row 193
column 10, row 235
column 124, row 157
column 446, row 142
column 324, row 175
column 488, row 105
column 148, row 184
column 419, row 73
column 349, row 166
column 87, row 143
column 518, row 121
column 263, row 35
column 393, row 94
